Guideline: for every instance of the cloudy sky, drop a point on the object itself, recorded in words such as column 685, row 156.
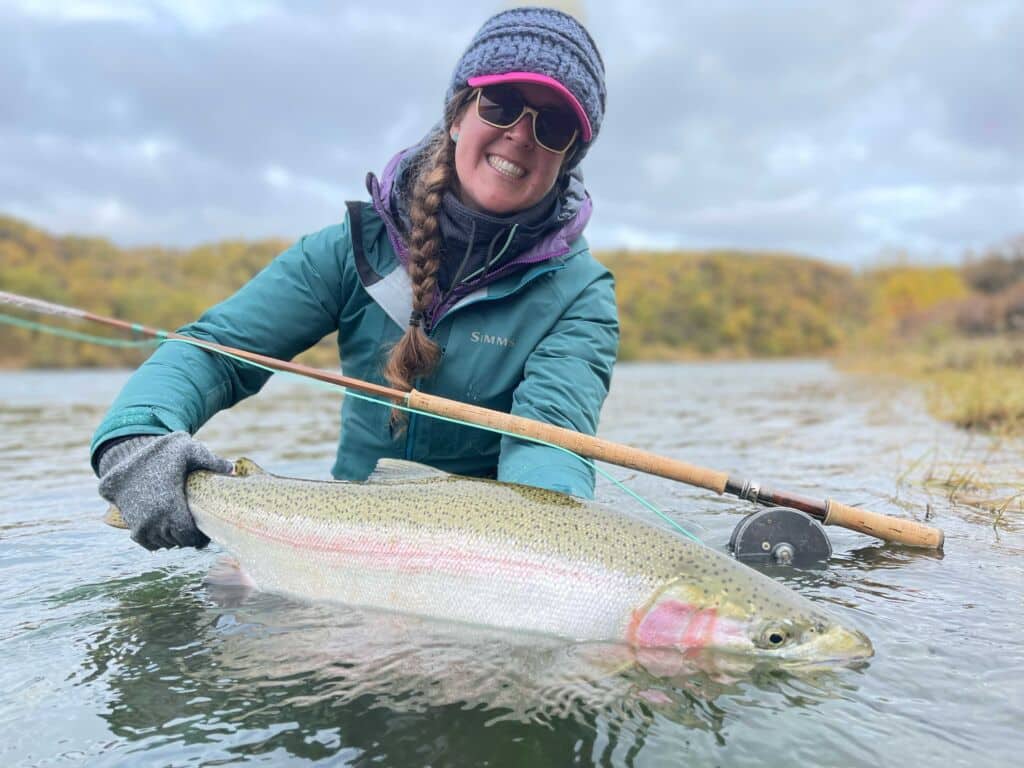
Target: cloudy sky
column 843, row 129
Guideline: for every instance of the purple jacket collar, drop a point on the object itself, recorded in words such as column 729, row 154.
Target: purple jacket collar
column 577, row 206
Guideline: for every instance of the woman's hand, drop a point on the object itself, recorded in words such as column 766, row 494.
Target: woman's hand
column 144, row 477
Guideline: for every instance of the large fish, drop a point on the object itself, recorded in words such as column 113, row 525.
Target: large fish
column 420, row 541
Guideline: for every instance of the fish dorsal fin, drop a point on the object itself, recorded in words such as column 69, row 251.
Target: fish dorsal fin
column 394, row 470
column 248, row 468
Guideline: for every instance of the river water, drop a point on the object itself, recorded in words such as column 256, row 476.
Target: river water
column 115, row 656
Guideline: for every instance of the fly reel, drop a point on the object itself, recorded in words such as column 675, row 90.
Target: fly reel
column 780, row 536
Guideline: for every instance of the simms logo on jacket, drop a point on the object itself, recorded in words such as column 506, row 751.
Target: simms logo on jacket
column 485, row 338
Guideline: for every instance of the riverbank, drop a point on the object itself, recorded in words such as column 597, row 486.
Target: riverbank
column 977, row 384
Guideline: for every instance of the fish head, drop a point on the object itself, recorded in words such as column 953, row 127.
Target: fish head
column 740, row 611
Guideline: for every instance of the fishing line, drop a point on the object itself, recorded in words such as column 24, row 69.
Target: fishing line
column 66, row 333
column 122, row 343
column 388, row 404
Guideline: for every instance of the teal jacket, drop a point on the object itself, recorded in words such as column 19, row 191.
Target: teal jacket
column 538, row 343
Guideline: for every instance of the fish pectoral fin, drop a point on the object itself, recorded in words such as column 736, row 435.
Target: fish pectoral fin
column 402, row 470
column 227, row 583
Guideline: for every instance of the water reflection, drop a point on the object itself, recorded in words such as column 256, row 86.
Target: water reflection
column 890, row 556
column 189, row 665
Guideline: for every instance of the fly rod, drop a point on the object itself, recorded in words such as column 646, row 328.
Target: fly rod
column 829, row 511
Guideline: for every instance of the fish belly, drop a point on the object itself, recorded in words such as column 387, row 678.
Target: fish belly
column 447, row 575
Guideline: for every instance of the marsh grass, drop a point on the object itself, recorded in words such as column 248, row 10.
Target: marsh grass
column 989, row 398
column 992, row 486
column 977, row 384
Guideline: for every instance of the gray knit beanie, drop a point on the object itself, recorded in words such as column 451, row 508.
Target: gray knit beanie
column 538, row 45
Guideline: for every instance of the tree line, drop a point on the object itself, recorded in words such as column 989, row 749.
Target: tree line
column 673, row 304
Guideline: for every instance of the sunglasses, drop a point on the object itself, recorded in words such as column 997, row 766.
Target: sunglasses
column 501, row 106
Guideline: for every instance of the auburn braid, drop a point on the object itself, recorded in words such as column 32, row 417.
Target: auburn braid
column 416, row 354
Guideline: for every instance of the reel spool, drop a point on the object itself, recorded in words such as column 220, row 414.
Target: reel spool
column 780, row 536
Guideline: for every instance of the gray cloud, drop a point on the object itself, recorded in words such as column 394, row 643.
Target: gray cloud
column 835, row 129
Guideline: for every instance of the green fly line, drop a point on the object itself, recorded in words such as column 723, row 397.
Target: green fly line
column 109, row 342
column 67, row 333
column 407, row 409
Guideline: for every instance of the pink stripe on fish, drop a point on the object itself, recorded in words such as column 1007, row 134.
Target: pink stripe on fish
column 401, row 557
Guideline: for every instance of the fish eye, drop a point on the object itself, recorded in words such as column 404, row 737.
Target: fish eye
column 773, row 637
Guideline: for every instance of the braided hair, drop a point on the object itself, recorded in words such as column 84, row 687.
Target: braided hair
column 416, row 354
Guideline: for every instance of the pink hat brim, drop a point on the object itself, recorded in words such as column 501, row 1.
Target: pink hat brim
column 531, row 77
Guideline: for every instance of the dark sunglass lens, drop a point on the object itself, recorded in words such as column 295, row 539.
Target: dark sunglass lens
column 501, row 106
column 555, row 128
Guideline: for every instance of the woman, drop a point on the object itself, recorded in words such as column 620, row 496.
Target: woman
column 465, row 275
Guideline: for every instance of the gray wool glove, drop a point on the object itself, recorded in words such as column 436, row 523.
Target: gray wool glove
column 144, row 477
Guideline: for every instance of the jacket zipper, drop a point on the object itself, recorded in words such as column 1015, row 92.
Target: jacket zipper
column 519, row 287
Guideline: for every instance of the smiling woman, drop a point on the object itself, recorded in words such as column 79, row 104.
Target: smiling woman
column 501, row 162
column 465, row 275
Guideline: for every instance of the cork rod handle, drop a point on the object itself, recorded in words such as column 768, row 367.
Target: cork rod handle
column 884, row 527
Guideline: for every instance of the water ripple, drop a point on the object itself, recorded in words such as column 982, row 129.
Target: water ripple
column 117, row 656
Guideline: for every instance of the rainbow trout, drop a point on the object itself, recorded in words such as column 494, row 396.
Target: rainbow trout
column 420, row 541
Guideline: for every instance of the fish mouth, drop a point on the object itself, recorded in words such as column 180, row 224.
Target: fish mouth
column 837, row 645
column 821, row 644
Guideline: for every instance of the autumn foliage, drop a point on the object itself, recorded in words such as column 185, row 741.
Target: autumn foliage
column 673, row 304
